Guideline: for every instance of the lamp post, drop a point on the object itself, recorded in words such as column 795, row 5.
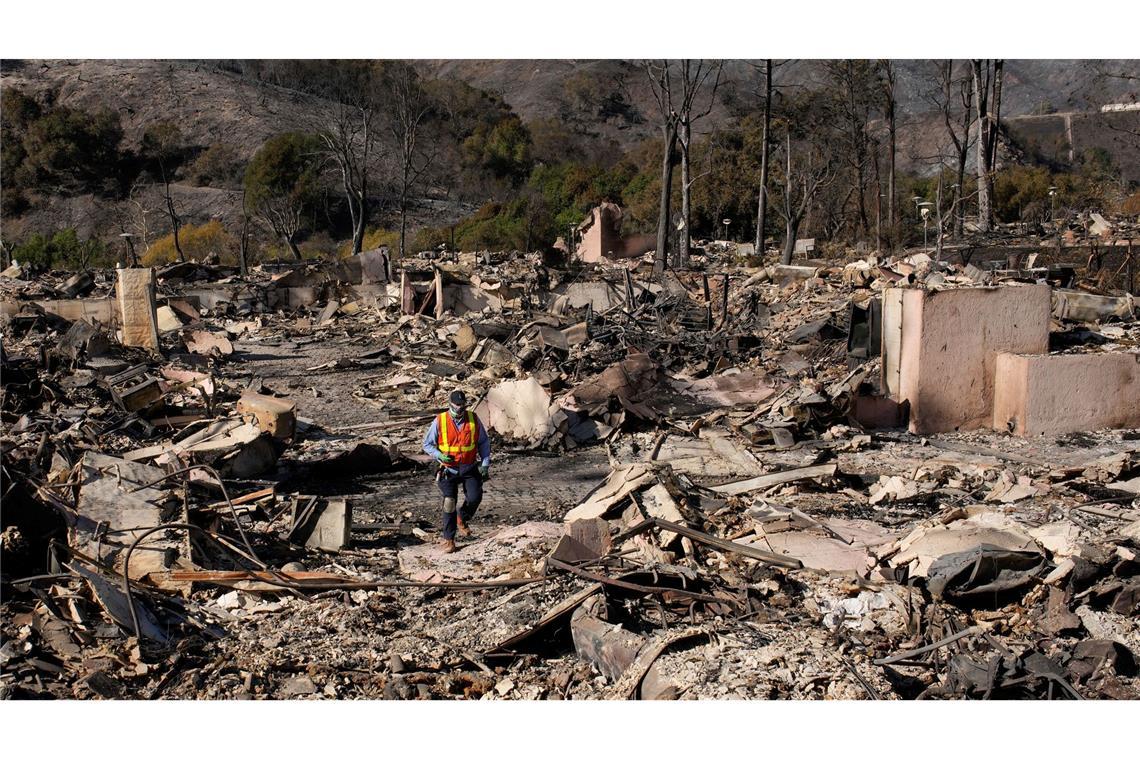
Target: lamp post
column 1052, row 203
column 726, row 222
column 924, row 211
column 879, row 223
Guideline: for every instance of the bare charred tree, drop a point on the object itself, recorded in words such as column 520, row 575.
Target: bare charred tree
column 854, row 83
column 281, row 184
column 243, row 241
column 348, row 140
column 808, row 169
column 348, row 132
column 987, row 77
column 954, row 98
column 661, row 83
column 163, row 149
column 134, row 217
column 410, row 106
column 675, row 86
column 889, row 106
column 694, row 77
column 285, row 218
column 762, row 201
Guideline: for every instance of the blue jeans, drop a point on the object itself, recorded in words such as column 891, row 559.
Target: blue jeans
column 468, row 475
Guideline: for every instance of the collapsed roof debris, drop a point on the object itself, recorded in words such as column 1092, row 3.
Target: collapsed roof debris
column 703, row 486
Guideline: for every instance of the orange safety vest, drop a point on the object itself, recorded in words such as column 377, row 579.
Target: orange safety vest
column 456, row 443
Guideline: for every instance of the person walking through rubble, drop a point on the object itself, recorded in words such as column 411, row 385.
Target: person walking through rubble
column 457, row 440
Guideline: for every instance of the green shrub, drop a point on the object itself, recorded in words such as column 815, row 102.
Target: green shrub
column 197, row 241
column 63, row 250
column 219, row 165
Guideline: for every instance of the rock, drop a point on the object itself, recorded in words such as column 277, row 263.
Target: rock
column 398, row 688
column 657, row 687
column 298, row 686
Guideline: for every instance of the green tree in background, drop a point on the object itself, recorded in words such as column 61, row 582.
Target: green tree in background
column 63, row 250
column 282, row 184
column 58, row 149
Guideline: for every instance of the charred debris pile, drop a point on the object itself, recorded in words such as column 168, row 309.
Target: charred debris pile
column 769, row 527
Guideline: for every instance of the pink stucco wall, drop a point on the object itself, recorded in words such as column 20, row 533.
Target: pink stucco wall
column 1066, row 393
column 948, row 349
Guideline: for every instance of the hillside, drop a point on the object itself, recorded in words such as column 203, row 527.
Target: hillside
column 606, row 103
column 535, row 88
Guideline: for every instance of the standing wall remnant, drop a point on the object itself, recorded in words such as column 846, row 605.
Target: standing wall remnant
column 134, row 291
column 947, row 344
column 1066, row 393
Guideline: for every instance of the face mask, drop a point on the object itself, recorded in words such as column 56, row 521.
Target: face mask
column 457, row 412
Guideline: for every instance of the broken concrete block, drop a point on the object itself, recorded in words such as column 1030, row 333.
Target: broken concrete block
column 205, row 343
column 328, row 313
column 464, row 339
column 948, row 348
column 374, row 265
column 83, row 339
column 168, row 320
column 1066, row 393
column 250, row 460
column 275, row 416
column 78, row 285
column 134, row 291
column 924, row 545
column 1099, row 226
column 322, row 524
column 518, row 409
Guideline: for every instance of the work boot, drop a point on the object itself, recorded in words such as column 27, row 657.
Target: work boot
column 462, row 528
column 447, row 546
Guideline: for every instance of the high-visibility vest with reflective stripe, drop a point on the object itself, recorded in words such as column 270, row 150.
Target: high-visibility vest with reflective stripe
column 456, row 443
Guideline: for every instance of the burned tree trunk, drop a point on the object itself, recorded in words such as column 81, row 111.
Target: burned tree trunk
column 891, row 152
column 293, row 247
column 791, row 230
column 670, row 134
column 981, row 98
column 686, row 196
column 762, row 203
column 175, row 222
column 790, row 216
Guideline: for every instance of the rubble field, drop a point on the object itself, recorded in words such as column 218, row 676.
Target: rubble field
column 861, row 478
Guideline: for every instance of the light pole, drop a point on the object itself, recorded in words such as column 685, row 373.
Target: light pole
column 726, row 222
column 879, row 223
column 924, row 210
column 1052, row 203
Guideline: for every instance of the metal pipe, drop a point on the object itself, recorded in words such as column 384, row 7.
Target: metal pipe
column 225, row 494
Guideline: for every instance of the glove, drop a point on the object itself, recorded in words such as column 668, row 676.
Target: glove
column 445, row 459
column 484, row 472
